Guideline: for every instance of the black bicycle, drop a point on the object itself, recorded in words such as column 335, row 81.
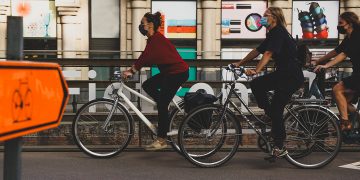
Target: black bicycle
column 210, row 134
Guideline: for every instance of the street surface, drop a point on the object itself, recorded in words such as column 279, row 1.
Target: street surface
column 170, row 165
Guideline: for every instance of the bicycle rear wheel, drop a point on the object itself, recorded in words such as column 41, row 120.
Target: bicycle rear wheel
column 93, row 138
column 208, row 140
column 313, row 136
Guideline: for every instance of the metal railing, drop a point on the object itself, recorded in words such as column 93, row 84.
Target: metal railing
column 204, row 67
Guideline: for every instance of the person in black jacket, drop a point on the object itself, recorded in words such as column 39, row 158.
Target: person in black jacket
column 348, row 88
column 285, row 80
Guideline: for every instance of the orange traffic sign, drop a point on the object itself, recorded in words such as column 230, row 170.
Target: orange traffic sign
column 33, row 97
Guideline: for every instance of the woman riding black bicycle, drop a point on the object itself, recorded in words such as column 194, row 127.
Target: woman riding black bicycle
column 348, row 88
column 173, row 73
column 285, row 80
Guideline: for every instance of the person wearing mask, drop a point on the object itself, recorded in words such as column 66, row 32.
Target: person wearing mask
column 173, row 73
column 348, row 88
column 284, row 81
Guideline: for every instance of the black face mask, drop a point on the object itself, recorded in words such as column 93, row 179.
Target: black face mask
column 341, row 29
column 142, row 30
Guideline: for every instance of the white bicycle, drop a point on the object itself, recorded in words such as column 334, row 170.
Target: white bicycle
column 103, row 127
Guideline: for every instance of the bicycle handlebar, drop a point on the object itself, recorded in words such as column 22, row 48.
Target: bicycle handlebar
column 118, row 76
column 238, row 72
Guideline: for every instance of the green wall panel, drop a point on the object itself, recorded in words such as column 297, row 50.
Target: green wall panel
column 187, row 56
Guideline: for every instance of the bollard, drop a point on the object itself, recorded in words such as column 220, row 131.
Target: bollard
column 14, row 51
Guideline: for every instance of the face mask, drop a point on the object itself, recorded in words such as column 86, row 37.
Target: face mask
column 142, row 30
column 341, row 29
column 263, row 22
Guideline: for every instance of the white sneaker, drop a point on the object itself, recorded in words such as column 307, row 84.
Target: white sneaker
column 277, row 152
column 156, row 145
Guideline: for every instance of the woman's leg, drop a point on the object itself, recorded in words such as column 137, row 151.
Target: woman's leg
column 281, row 98
column 151, row 86
column 169, row 87
column 283, row 93
column 260, row 88
column 349, row 85
column 339, row 93
column 349, row 95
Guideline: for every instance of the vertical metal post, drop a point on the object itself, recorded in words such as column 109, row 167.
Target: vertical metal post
column 74, row 104
column 14, row 51
column 12, row 159
column 15, row 40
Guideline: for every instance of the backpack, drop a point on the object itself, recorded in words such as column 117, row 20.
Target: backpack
column 196, row 99
column 303, row 54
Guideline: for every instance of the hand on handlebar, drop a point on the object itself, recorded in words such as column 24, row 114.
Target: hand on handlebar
column 126, row 74
column 230, row 66
column 318, row 68
column 235, row 64
column 250, row 72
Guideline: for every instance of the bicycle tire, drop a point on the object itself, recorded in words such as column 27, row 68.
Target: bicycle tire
column 205, row 159
column 97, row 145
column 176, row 117
column 307, row 126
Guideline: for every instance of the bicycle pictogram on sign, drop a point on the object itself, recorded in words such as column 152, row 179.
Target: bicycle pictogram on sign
column 21, row 102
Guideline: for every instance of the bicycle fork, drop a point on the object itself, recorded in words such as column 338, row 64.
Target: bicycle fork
column 105, row 126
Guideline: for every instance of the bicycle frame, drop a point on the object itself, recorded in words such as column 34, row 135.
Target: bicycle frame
column 228, row 101
column 120, row 94
column 259, row 132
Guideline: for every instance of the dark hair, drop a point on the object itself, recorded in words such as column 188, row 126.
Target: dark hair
column 351, row 18
column 154, row 18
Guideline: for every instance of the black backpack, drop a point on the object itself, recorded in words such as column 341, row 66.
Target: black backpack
column 196, row 99
column 303, row 54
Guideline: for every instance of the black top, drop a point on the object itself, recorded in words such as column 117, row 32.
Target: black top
column 350, row 46
column 283, row 47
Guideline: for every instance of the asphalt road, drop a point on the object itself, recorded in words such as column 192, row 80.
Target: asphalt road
column 169, row 165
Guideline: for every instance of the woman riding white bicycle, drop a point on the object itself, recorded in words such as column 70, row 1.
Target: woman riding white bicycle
column 173, row 73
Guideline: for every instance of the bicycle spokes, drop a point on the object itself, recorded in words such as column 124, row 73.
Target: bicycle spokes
column 313, row 137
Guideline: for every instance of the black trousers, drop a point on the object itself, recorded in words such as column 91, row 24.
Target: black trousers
column 284, row 85
column 162, row 88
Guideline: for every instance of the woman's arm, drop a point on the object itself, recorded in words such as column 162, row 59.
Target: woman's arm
column 328, row 56
column 252, row 55
column 137, row 65
column 143, row 59
column 264, row 60
column 338, row 58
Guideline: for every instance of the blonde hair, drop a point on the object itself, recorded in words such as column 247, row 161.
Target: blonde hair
column 278, row 15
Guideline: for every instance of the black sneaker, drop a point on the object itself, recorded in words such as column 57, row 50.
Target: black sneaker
column 354, row 117
column 277, row 152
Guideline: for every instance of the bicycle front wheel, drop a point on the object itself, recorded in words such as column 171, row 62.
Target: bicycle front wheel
column 209, row 138
column 313, row 136
column 94, row 137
